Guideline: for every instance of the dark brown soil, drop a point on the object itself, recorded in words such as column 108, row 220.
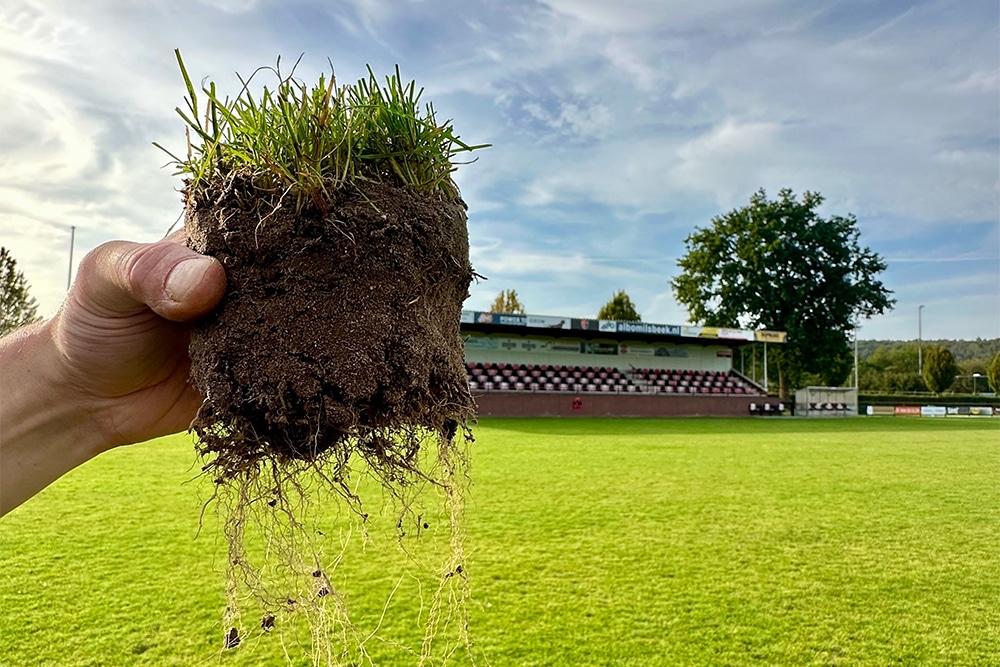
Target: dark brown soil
column 338, row 331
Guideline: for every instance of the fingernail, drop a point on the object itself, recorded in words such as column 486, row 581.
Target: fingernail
column 184, row 278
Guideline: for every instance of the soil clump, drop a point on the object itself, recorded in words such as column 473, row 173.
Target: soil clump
column 339, row 330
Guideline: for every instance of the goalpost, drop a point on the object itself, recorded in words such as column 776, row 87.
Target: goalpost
column 826, row 402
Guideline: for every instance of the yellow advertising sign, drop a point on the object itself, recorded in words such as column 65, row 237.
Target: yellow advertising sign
column 770, row 336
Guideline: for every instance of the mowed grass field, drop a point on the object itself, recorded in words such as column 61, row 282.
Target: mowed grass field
column 870, row 541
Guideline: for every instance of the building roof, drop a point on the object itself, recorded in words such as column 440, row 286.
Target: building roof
column 588, row 329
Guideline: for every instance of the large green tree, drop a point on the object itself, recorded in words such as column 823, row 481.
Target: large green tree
column 17, row 306
column 777, row 264
column 619, row 308
column 507, row 302
column 940, row 368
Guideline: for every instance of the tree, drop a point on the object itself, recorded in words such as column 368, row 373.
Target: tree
column 507, row 302
column 891, row 369
column 993, row 373
column 779, row 265
column 17, row 307
column 619, row 308
column 940, row 368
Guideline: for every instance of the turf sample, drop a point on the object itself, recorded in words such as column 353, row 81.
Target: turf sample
column 336, row 347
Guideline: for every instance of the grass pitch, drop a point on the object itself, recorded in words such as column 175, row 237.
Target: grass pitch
column 871, row 541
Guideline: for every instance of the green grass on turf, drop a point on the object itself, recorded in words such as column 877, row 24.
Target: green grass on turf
column 872, row 541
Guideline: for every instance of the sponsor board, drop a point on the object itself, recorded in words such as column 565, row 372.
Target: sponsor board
column 983, row 411
column 510, row 320
column 546, row 322
column 671, row 352
column 477, row 343
column 724, row 353
column 647, row 328
column 933, row 411
column 907, row 410
column 513, row 344
column 633, row 351
column 612, row 326
column 736, row 334
column 881, row 410
column 764, row 336
column 599, row 348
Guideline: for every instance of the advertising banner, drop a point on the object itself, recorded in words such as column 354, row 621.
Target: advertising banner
column 670, row 352
column 983, row 411
column 616, row 327
column 933, row 411
column 633, row 351
column 881, row 410
column 908, row 410
column 546, row 322
column 691, row 332
column 510, row 320
column 764, row 336
column 724, row 353
column 599, row 348
column 736, row 334
column 477, row 343
column 647, row 328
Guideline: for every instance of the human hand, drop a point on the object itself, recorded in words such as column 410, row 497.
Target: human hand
column 111, row 368
column 123, row 339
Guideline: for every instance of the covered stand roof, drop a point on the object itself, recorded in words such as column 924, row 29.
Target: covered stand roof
column 590, row 329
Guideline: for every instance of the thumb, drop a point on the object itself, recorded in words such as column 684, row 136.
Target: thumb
column 121, row 278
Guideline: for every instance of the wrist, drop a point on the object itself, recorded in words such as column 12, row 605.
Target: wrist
column 45, row 428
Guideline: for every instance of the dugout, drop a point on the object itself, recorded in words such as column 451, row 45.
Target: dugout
column 826, row 402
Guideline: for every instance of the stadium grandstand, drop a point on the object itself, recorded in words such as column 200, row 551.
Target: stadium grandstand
column 534, row 365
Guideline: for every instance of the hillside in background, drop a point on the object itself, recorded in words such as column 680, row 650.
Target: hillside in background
column 964, row 350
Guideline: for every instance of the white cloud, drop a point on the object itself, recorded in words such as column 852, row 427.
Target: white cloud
column 980, row 81
column 728, row 159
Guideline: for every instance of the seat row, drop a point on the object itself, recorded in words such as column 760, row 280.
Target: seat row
column 476, row 369
column 487, row 376
column 575, row 388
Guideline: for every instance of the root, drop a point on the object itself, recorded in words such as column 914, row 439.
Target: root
column 291, row 523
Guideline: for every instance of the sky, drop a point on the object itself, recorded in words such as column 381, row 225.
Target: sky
column 618, row 128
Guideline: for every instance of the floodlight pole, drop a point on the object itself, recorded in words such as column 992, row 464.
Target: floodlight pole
column 72, row 242
column 920, row 340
